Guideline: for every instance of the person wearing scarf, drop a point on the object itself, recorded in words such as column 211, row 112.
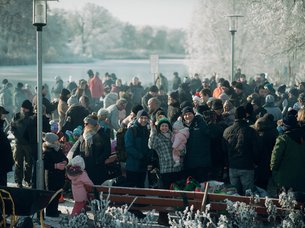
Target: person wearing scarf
column 94, row 146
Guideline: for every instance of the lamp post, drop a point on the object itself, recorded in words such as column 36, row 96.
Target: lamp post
column 39, row 20
column 233, row 29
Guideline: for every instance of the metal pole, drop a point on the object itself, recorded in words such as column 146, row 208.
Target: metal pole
column 232, row 47
column 39, row 164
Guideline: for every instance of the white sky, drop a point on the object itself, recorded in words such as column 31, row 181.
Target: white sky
column 170, row 13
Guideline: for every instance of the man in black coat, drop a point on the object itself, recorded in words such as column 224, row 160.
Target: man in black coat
column 6, row 161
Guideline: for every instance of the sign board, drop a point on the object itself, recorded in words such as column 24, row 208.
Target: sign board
column 154, row 64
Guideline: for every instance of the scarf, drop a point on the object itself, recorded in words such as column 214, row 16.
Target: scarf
column 87, row 141
column 167, row 135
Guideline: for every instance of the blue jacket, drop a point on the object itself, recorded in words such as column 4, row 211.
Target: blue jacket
column 136, row 146
column 198, row 152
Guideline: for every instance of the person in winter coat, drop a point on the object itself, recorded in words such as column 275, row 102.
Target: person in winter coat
column 176, row 81
column 160, row 141
column 173, row 111
column 288, row 157
column 6, row 161
column 197, row 161
column 180, row 136
column 136, row 90
column 267, row 134
column 94, row 146
column 138, row 153
column 241, row 145
column 54, row 162
column 79, row 178
column 75, row 114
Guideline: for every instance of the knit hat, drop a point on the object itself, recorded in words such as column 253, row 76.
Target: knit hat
column 154, row 89
column 290, row 122
column 53, row 126
column 196, row 99
column 269, row 99
column 240, row 113
column 135, row 109
column 64, row 92
column 162, row 121
column 174, row 95
column 90, row 120
column 50, row 138
column 77, row 131
column 281, row 88
column 269, row 86
column 72, row 101
column 142, row 113
column 178, row 125
column 103, row 112
column 187, row 109
column 78, row 161
column 27, row 105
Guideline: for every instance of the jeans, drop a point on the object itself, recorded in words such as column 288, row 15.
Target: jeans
column 242, row 179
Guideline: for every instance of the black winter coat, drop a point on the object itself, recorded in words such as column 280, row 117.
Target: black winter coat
column 241, row 145
column 95, row 162
column 6, row 161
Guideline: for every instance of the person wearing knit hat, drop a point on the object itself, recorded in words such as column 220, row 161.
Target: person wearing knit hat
column 73, row 100
column 142, row 113
column 79, row 178
column 198, row 155
column 54, row 167
column 271, row 108
column 27, row 105
column 241, row 139
column 160, row 141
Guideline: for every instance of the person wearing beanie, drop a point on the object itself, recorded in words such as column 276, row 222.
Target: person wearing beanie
column 94, row 146
column 271, row 108
column 79, row 178
column 54, row 162
column 197, row 160
column 63, row 106
column 288, row 157
column 138, row 153
column 160, row 140
column 242, row 149
column 23, row 128
column 179, row 139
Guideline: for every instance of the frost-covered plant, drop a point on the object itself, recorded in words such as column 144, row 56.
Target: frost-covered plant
column 241, row 214
column 271, row 209
column 118, row 217
column 75, row 222
column 191, row 219
column 292, row 217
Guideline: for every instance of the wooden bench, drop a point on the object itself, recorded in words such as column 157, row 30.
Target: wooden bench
column 170, row 200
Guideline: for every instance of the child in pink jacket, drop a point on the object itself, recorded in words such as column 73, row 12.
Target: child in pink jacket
column 179, row 139
column 79, row 178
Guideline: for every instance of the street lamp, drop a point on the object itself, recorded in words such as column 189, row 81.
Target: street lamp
column 233, row 29
column 39, row 20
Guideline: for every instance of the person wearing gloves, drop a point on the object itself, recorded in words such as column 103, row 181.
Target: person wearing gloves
column 79, row 178
column 54, row 165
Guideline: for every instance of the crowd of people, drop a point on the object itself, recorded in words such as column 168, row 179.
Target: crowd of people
column 248, row 134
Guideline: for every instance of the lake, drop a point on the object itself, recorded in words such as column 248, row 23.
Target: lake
column 124, row 69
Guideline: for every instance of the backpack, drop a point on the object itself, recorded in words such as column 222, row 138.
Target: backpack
column 120, row 143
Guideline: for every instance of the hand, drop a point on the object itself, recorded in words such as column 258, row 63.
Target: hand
column 60, row 165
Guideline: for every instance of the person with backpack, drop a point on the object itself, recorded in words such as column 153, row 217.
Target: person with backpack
column 20, row 127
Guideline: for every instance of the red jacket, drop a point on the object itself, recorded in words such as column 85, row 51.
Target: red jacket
column 96, row 87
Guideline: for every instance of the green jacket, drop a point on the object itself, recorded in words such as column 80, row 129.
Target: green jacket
column 288, row 161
